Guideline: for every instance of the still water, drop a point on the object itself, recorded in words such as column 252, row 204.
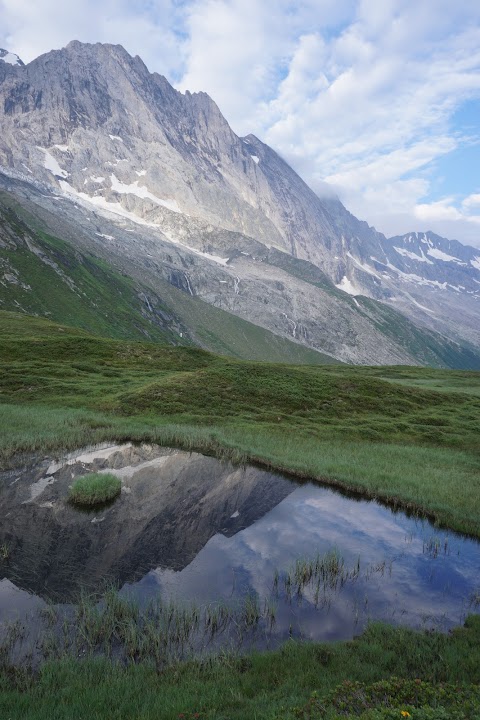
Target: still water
column 191, row 529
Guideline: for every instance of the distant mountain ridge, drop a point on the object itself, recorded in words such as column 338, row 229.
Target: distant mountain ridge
column 169, row 191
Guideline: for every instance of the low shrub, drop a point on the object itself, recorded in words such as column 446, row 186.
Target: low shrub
column 395, row 699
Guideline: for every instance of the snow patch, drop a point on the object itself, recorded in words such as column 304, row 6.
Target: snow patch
column 440, row 255
column 62, row 148
column 411, row 277
column 11, row 58
column 207, row 256
column 366, row 268
column 142, row 192
column 107, row 237
column 347, row 286
column 140, row 173
column 422, row 307
column 255, row 159
column 115, row 137
column 97, row 179
column 100, row 202
column 412, row 255
column 476, row 263
column 51, row 164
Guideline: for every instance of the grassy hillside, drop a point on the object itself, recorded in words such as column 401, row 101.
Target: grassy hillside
column 385, row 431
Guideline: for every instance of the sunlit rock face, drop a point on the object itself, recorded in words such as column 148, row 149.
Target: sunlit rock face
column 181, row 196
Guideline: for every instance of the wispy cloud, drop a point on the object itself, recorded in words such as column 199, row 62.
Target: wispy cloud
column 359, row 93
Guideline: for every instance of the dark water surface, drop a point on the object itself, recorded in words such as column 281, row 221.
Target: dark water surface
column 190, row 528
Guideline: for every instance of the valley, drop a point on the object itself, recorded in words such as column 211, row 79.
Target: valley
column 286, row 401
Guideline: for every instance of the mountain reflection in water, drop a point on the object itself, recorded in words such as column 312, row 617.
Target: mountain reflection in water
column 191, row 528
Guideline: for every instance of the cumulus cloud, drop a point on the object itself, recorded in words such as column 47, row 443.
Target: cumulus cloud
column 394, row 77
column 356, row 93
column 471, row 201
column 149, row 29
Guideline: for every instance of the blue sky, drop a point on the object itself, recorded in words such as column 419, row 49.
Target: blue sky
column 378, row 98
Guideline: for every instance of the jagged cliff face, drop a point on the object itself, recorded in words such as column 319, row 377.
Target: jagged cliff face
column 169, row 190
column 92, row 120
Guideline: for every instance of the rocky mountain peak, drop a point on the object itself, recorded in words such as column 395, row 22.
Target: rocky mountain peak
column 10, row 58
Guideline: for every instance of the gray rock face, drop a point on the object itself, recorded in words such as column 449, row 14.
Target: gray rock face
column 216, row 215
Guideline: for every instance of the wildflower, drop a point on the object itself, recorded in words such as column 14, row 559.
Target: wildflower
column 404, row 713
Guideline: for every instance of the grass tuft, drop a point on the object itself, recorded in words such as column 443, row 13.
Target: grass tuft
column 95, row 489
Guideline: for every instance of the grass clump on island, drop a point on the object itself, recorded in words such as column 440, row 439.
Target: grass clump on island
column 95, row 489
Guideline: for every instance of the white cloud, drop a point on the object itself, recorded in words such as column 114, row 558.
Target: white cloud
column 440, row 210
column 471, row 201
column 143, row 28
column 239, row 50
column 444, row 217
column 395, row 75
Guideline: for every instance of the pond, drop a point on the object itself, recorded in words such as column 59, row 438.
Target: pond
column 250, row 557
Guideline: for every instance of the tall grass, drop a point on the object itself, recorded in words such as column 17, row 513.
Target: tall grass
column 297, row 681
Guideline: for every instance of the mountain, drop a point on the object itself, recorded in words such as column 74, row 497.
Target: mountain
column 436, row 280
column 9, row 58
column 45, row 275
column 115, row 161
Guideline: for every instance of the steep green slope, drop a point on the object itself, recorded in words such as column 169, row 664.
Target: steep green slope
column 44, row 275
column 41, row 274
